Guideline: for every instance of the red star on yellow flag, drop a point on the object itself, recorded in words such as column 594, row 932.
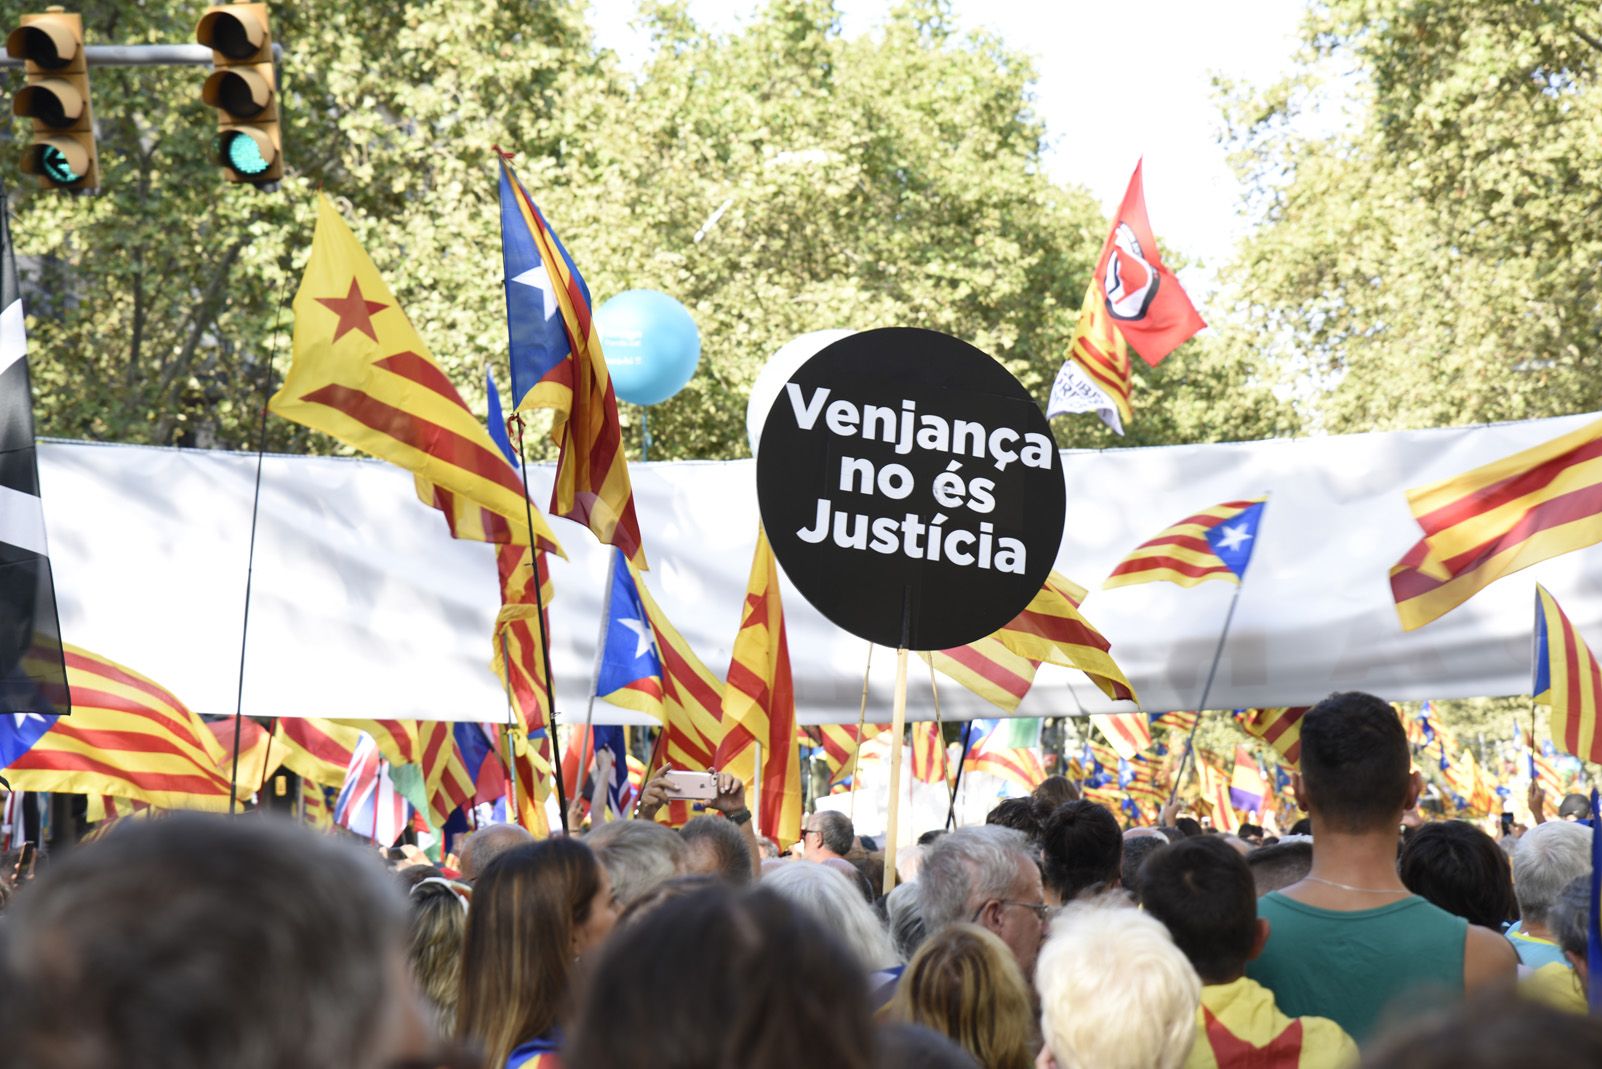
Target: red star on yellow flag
column 355, row 312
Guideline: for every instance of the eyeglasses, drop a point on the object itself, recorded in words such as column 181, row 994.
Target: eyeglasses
column 1043, row 913
column 809, row 831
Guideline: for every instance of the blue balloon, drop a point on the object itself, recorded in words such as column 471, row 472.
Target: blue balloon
column 651, row 345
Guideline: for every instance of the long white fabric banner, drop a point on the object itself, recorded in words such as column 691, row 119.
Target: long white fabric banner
column 362, row 605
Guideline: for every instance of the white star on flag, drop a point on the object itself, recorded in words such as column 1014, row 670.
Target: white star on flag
column 1234, row 537
column 641, row 633
column 536, row 278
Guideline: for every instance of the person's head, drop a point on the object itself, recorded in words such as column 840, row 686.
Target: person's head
column 198, row 941
column 1491, row 1032
column 1202, row 891
column 1251, row 833
column 1459, row 868
column 666, row 891
column 1547, row 858
column 928, row 838
column 637, row 855
column 1188, row 827
column 826, row 834
column 832, row 899
column 1302, row 826
column 1053, row 791
column 1569, row 922
column 438, row 923
column 1356, row 773
column 905, row 919
column 715, row 847
column 1082, row 848
column 1136, row 850
column 1020, row 814
column 965, row 983
column 1115, row 992
column 722, row 980
column 1277, row 867
column 898, row 1045
column 987, row 876
column 537, row 910
column 488, row 843
column 1574, row 807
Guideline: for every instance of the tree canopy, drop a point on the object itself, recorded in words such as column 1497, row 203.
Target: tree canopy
column 1432, row 260
column 779, row 179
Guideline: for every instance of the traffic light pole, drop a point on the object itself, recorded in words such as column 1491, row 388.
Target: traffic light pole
column 141, row 56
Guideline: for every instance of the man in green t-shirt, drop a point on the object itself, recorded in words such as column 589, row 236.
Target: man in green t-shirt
column 1349, row 941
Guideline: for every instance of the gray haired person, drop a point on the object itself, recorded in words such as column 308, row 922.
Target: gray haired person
column 986, row 876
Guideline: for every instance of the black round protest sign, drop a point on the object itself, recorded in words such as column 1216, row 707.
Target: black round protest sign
column 910, row 488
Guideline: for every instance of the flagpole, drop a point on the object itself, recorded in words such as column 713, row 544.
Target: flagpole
column 588, row 737
column 539, row 608
column 250, row 557
column 898, row 727
column 1207, row 688
column 511, row 722
column 862, row 720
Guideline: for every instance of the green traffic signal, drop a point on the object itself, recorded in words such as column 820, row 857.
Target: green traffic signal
column 56, row 167
column 241, row 153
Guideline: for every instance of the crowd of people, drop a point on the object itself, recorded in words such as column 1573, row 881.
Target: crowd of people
column 1047, row 937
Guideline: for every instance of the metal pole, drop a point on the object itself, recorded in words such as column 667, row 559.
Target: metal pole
column 143, row 56
column 1201, row 706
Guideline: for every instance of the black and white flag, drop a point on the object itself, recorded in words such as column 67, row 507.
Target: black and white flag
column 33, row 676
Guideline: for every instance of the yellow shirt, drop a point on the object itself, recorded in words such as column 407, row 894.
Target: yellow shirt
column 1238, row 1024
column 1557, row 985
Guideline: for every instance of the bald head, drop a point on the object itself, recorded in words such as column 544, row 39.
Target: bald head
column 488, row 843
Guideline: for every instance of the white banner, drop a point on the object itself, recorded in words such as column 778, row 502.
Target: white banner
column 363, row 606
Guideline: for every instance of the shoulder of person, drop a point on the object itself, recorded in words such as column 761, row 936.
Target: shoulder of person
column 1326, row 1044
column 1487, row 957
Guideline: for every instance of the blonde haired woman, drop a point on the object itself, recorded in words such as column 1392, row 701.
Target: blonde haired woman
column 965, row 983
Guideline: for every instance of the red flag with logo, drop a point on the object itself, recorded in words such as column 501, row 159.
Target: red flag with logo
column 1144, row 298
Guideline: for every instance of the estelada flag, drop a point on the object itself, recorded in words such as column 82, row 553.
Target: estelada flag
column 557, row 363
column 362, row 374
column 1142, row 296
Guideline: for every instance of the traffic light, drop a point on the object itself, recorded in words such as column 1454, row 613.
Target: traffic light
column 243, row 87
column 56, row 98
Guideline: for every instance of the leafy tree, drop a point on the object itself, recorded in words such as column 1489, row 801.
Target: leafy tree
column 1432, row 261
column 777, row 180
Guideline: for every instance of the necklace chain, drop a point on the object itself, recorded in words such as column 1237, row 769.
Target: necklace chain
column 1365, row 890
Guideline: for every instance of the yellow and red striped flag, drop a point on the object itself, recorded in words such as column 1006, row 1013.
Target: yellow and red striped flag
column 1213, row 783
column 517, row 658
column 314, row 805
column 1128, row 733
column 759, row 703
column 362, row 374
column 396, row 739
column 1096, row 376
column 929, row 763
column 1052, row 629
column 1176, row 721
column 127, row 737
column 841, row 744
column 1567, row 678
column 258, row 757
column 445, row 778
column 1497, row 519
column 1215, row 543
column 1280, row 728
column 1008, row 747
column 592, row 474
column 989, row 669
column 315, row 749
